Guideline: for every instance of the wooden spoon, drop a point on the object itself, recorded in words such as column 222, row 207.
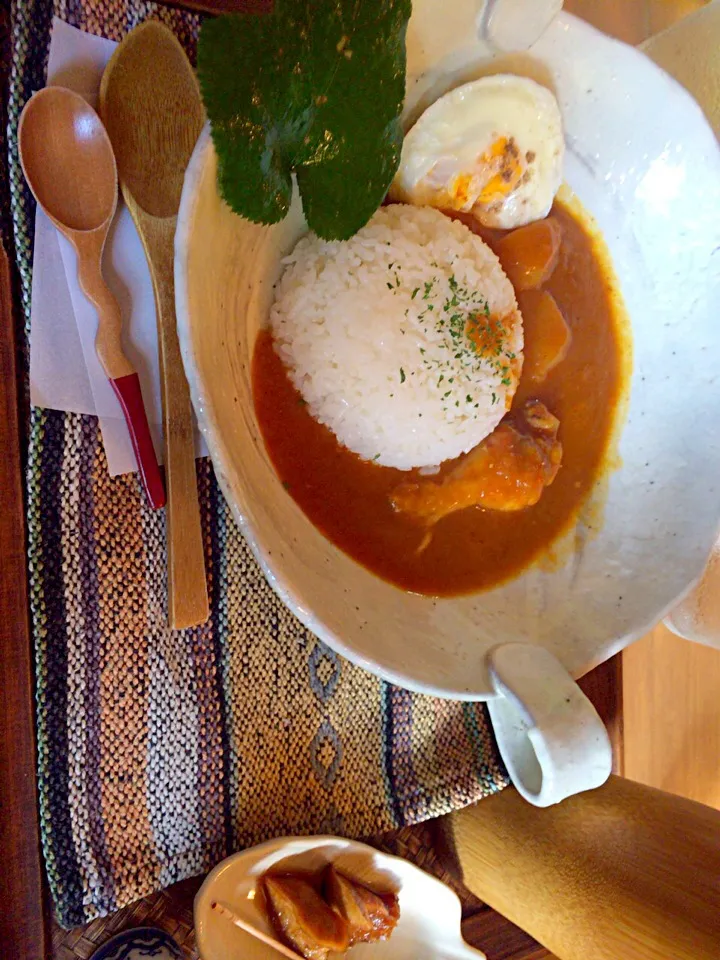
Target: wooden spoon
column 150, row 103
column 69, row 165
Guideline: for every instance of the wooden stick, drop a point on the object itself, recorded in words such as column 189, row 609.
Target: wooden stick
column 241, row 924
column 187, row 582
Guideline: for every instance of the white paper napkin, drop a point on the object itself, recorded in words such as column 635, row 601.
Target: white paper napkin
column 65, row 373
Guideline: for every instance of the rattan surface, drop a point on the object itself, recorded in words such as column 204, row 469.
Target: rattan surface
column 171, row 909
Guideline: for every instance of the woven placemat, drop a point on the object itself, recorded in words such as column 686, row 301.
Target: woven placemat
column 160, row 752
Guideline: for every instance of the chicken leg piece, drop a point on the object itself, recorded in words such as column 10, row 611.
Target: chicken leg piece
column 507, row 471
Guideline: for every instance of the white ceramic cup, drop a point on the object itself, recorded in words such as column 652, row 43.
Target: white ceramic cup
column 660, row 506
column 550, row 736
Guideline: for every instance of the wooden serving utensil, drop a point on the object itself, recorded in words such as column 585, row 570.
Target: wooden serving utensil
column 69, row 165
column 150, row 103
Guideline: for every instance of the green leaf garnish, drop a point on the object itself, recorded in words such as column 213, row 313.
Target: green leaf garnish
column 316, row 88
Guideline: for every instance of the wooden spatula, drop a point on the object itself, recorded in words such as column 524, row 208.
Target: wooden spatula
column 150, row 104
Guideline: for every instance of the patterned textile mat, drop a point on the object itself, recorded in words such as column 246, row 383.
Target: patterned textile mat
column 160, row 752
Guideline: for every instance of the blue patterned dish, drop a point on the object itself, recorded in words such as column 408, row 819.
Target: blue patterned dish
column 140, row 943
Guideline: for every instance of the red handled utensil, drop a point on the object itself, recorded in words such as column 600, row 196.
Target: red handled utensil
column 69, row 165
column 127, row 390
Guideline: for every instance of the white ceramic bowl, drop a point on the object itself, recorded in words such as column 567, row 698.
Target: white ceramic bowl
column 429, row 925
column 643, row 160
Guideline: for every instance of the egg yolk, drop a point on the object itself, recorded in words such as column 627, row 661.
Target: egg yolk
column 499, row 170
column 503, row 159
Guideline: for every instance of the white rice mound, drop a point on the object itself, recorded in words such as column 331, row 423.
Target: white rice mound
column 373, row 332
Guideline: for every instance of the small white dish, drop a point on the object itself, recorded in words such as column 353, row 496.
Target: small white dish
column 430, row 912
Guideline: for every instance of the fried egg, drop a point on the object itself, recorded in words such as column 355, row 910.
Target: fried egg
column 493, row 148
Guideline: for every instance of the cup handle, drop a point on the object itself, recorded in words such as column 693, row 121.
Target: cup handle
column 516, row 24
column 550, row 736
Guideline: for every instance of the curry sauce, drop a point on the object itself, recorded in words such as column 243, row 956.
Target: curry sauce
column 349, row 499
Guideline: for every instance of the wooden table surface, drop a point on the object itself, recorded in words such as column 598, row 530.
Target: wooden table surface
column 659, row 699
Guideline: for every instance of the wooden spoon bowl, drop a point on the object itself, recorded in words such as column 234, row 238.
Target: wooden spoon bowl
column 151, row 106
column 68, row 159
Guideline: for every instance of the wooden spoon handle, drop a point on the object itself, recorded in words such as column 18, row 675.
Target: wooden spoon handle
column 119, row 370
column 624, row 871
column 108, row 340
column 187, row 585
